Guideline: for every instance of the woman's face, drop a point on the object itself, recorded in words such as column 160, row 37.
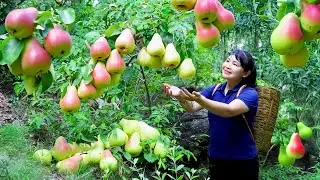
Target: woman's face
column 232, row 69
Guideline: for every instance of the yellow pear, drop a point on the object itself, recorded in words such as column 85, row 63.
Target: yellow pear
column 298, row 60
column 155, row 62
column 171, row 58
column 156, row 46
column 144, row 58
column 187, row 70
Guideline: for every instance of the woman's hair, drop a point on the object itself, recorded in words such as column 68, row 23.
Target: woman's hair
column 248, row 64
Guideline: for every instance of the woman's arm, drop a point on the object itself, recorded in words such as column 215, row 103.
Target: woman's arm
column 190, row 106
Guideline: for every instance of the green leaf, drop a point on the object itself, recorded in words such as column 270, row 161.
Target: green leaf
column 180, row 167
column 11, row 50
column 47, row 79
column 67, row 15
column 127, row 156
column 92, row 36
column 151, row 158
column 43, row 16
column 114, row 29
column 2, row 29
column 263, row 17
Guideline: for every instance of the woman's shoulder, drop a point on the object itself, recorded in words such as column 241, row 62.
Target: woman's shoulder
column 251, row 91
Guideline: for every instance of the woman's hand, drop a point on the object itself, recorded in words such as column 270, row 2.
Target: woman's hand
column 174, row 92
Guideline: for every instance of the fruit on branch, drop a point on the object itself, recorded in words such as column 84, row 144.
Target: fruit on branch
column 298, row 60
column 205, row 11
column 125, row 43
column 101, row 77
column 19, row 23
column 115, row 79
column 29, row 83
column 225, row 18
column 208, row 35
column 58, row 42
column 310, row 19
column 183, row 4
column 283, row 158
column 32, row 11
column 156, row 46
column 115, row 63
column 100, row 49
column 144, row 58
column 70, row 101
column 186, row 69
column 305, row 132
column 171, row 58
column 86, row 91
column 295, row 148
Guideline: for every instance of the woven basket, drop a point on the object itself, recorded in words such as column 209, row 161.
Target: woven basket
column 269, row 99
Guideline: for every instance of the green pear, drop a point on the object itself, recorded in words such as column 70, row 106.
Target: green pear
column 155, row 62
column 75, row 148
column 129, row 126
column 125, row 43
column 160, row 150
column 16, row 68
column 84, row 147
column 70, row 101
column 132, row 146
column 298, row 60
column 70, row 165
column 287, row 37
column 147, row 132
column 186, row 69
column 43, row 156
column 61, row 149
column 85, row 159
column 183, row 5
column 117, row 137
column 96, row 151
column 115, row 79
column 171, row 58
column 156, row 46
column 99, row 93
column 305, row 132
column 144, row 58
column 29, row 83
column 108, row 161
column 283, row 158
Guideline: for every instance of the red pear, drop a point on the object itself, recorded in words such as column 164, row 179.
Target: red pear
column 108, row 161
column 33, row 12
column 310, row 18
column 295, row 148
column 35, row 59
column 70, row 165
column 100, row 49
column 58, row 42
column 86, row 91
column 19, row 23
column 101, row 77
column 115, row 64
column 71, row 101
column 61, row 149
column 207, row 35
column 225, row 18
column 205, row 11
column 125, row 43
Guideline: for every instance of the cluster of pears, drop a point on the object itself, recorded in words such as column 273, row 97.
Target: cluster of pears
column 157, row 55
column 295, row 148
column 71, row 156
column 107, row 67
column 212, row 18
column 289, row 37
column 35, row 59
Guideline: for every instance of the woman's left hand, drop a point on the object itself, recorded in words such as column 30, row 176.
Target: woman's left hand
column 194, row 96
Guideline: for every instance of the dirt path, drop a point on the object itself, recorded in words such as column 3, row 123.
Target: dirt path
column 6, row 115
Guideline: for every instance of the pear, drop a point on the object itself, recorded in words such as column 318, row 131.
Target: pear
column 310, row 18
column 186, row 69
column 61, row 149
column 144, row 58
column 100, row 49
column 147, row 132
column 19, row 23
column 295, row 148
column 129, row 126
column 313, row 1
column 32, row 11
column 208, row 35
column 15, row 68
column 125, row 43
column 58, row 42
column 132, row 146
column 85, row 160
column 84, row 147
column 155, row 62
column 160, row 150
column 115, row 63
column 29, row 83
column 101, row 77
column 108, row 161
column 225, row 18
column 298, row 60
column 96, row 151
column 70, row 165
column 171, row 58
column 43, row 156
column 86, row 91
column 99, row 93
column 305, row 132
column 71, row 101
column 156, row 46
column 117, row 137
column 283, row 158
column 183, row 4
column 287, row 37
column 115, row 79
column 35, row 59
column 75, row 148
column 205, row 11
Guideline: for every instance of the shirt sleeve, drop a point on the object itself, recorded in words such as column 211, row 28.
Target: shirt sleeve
column 207, row 92
column 250, row 97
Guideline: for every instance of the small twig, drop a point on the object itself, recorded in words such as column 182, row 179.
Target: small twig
column 265, row 159
column 147, row 90
column 87, row 44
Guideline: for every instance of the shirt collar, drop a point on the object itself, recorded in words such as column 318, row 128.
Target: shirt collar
column 234, row 89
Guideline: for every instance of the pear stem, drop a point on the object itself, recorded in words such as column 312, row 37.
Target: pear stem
column 87, row 44
column 147, row 90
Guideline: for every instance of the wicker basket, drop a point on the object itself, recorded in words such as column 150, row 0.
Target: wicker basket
column 267, row 114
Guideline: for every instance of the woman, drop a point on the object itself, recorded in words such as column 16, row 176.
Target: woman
column 232, row 151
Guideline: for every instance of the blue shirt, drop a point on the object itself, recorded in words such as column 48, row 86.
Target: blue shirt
column 230, row 138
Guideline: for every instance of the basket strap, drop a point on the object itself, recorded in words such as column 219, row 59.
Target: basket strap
column 215, row 89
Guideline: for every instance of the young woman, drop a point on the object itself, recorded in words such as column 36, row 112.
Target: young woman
column 232, row 150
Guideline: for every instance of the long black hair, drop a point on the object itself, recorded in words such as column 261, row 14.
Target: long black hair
column 248, row 64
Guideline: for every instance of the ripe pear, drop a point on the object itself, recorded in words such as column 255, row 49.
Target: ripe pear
column 144, row 58
column 16, row 68
column 85, row 160
column 19, row 23
column 295, row 148
column 115, row 63
column 132, row 146
column 313, row 1
column 183, row 4
column 96, row 151
column 101, row 77
column 86, row 91
column 171, row 58
column 32, row 11
column 70, row 165
column 298, row 60
column 225, row 18
column 118, row 137
column 205, row 11
column 208, row 35
column 155, row 62
column 310, row 17
column 125, row 43
column 147, row 132
column 160, row 150
column 186, row 69
column 61, row 149
column 115, row 79
column 108, row 161
column 156, row 46
column 99, row 93
column 287, row 37
column 71, row 101
column 100, row 49
column 43, row 156
column 283, row 158
column 129, row 126
column 58, row 42
column 29, row 83
column 305, row 132
column 75, row 148
column 35, row 59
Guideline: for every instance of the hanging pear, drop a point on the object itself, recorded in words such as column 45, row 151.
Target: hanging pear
column 183, row 5
column 205, row 11
column 208, row 35
column 298, row 60
column 305, row 132
column 58, row 42
column 125, row 43
column 156, row 46
column 225, row 18
column 115, row 63
column 86, row 91
column 100, row 49
column 186, row 69
column 144, row 58
column 71, row 101
column 101, row 77
column 295, row 148
column 283, row 158
column 171, row 58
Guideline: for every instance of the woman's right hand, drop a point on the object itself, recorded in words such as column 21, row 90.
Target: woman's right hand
column 173, row 91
